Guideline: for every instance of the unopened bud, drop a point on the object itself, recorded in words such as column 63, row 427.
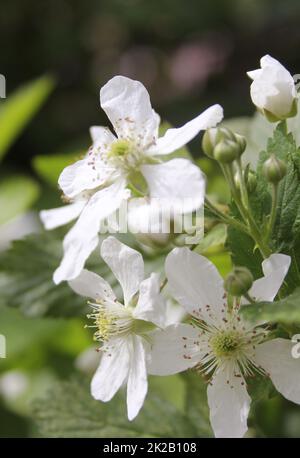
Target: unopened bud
column 212, row 137
column 241, row 141
column 274, row 169
column 238, row 282
column 226, row 151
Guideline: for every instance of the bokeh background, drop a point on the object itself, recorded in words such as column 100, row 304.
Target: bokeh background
column 189, row 54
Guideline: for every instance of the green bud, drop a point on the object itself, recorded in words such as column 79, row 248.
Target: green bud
column 274, row 169
column 226, row 151
column 238, row 282
column 241, row 141
column 212, row 137
column 251, row 181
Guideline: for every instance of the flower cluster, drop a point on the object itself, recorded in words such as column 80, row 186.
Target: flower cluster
column 135, row 334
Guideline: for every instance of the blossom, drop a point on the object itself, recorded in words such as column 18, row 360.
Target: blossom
column 273, row 90
column 221, row 344
column 124, row 330
column 96, row 185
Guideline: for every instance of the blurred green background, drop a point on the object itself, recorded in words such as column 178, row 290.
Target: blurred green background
column 55, row 57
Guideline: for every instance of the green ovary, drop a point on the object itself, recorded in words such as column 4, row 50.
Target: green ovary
column 225, row 343
column 120, row 148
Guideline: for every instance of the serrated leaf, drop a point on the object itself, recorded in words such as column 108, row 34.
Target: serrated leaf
column 17, row 194
column 285, row 311
column 69, row 411
column 19, row 108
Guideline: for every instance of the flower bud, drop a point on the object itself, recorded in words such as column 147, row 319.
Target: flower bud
column 241, row 141
column 238, row 282
column 273, row 90
column 226, row 151
column 274, row 169
column 251, row 181
column 212, row 137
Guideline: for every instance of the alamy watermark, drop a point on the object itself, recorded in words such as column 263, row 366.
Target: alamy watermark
column 158, row 216
column 2, row 346
column 296, row 348
column 2, row 86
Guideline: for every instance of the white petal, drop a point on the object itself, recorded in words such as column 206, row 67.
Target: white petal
column 126, row 264
column 275, row 356
column 127, row 104
column 273, row 87
column 173, row 349
column 178, row 182
column 100, row 134
column 89, row 284
column 229, row 404
column 82, row 239
column 176, row 138
column 112, row 371
column 275, row 269
column 137, row 385
column 86, row 174
column 59, row 216
column 175, row 313
column 151, row 306
column 195, row 283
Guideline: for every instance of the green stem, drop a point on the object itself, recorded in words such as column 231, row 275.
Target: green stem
column 249, row 298
column 246, row 213
column 244, row 192
column 225, row 218
column 273, row 211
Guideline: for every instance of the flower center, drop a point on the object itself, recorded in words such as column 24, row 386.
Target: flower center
column 124, row 154
column 120, row 148
column 225, row 343
column 113, row 321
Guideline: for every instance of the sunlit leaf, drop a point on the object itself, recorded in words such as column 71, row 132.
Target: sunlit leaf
column 18, row 109
column 17, row 194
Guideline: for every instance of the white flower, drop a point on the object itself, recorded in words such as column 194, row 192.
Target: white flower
column 273, row 90
column 124, row 330
column 221, row 344
column 95, row 185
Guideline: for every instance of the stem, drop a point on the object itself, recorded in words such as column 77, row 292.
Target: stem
column 227, row 219
column 249, row 298
column 246, row 214
column 273, row 210
column 244, row 192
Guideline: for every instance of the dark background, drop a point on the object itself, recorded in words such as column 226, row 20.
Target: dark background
column 189, row 54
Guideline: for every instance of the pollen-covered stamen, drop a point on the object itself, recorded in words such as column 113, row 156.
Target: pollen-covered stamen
column 233, row 340
column 111, row 319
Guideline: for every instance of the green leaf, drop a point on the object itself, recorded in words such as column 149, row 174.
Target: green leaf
column 286, row 311
column 197, row 408
column 19, row 108
column 49, row 167
column 214, row 240
column 26, row 283
column 286, row 233
column 241, row 247
column 69, row 411
column 17, row 194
